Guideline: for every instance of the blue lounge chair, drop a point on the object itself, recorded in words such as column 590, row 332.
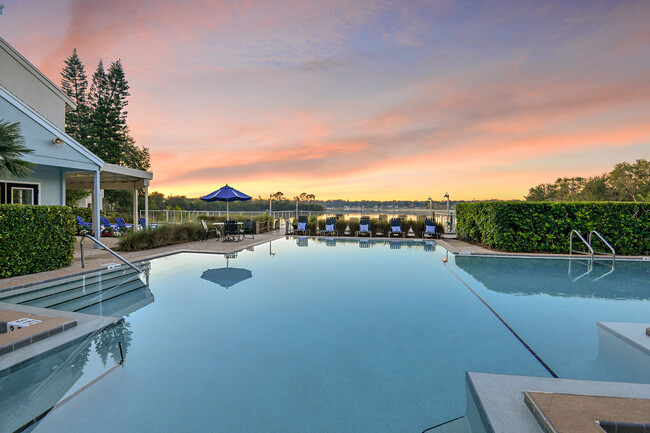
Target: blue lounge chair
column 430, row 229
column 84, row 225
column 364, row 227
column 122, row 225
column 302, row 226
column 396, row 228
column 106, row 223
column 330, row 227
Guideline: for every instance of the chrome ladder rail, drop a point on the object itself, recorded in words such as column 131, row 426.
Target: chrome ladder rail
column 613, row 253
column 83, row 261
column 571, row 250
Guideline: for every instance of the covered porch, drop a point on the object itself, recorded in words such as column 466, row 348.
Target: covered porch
column 112, row 177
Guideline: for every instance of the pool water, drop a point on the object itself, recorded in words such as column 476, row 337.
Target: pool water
column 328, row 336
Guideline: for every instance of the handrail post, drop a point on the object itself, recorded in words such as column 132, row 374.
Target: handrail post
column 83, row 263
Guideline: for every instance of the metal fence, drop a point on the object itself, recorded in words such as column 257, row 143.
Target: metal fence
column 182, row 216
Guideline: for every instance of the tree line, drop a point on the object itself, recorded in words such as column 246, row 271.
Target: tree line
column 158, row 200
column 626, row 182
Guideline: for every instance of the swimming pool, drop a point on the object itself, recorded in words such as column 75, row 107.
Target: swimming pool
column 326, row 335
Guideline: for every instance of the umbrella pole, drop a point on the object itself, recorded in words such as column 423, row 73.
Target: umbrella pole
column 227, row 211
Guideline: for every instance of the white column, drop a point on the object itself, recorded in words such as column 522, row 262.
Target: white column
column 135, row 208
column 146, row 206
column 97, row 205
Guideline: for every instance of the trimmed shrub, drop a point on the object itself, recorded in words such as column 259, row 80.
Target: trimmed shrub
column 35, row 239
column 167, row 234
column 545, row 227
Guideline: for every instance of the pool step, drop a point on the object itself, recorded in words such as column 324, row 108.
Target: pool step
column 91, row 299
column 28, row 293
column 78, row 292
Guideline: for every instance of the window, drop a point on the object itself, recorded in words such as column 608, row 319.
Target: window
column 19, row 193
column 22, row 195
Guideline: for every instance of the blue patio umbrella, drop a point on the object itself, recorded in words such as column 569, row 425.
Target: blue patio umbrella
column 226, row 193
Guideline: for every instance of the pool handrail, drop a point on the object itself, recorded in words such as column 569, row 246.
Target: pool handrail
column 613, row 253
column 571, row 250
column 83, row 260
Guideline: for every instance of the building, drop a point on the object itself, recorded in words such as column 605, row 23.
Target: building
column 28, row 97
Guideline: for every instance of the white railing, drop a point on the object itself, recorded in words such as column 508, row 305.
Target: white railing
column 182, row 216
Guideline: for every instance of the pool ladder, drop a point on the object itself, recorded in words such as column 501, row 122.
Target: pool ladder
column 591, row 252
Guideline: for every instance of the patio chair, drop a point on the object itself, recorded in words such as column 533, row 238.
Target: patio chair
column 330, row 227
column 122, row 225
column 231, row 231
column 207, row 230
column 364, row 227
column 84, row 225
column 395, row 228
column 142, row 223
column 430, row 229
column 249, row 228
column 302, row 226
column 106, row 223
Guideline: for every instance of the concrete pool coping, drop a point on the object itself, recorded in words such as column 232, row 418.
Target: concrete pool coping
column 97, row 259
column 496, row 404
column 87, row 324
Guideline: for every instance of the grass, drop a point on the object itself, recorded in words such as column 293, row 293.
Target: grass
column 164, row 235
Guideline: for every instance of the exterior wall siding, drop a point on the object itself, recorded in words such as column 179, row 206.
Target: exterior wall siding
column 27, row 87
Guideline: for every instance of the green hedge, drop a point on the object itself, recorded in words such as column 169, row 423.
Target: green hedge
column 35, row 239
column 545, row 227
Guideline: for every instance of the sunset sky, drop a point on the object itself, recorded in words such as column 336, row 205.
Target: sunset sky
column 363, row 99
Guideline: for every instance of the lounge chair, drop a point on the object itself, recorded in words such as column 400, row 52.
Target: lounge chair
column 430, row 229
column 249, row 228
column 330, row 227
column 122, row 225
column 84, row 225
column 364, row 227
column 396, row 228
column 231, row 231
column 207, row 230
column 106, row 223
column 302, row 226
column 142, row 223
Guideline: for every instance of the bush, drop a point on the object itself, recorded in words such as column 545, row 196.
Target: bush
column 168, row 234
column 545, row 227
column 35, row 239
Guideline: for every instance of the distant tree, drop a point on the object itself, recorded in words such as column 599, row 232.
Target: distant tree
column 631, row 181
column 311, row 197
column 12, row 150
column 279, row 196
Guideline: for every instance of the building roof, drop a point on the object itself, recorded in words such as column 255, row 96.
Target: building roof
column 111, row 177
column 38, row 74
column 38, row 118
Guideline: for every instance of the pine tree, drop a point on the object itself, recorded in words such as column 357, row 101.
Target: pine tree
column 75, row 84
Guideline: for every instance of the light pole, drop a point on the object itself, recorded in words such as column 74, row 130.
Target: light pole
column 297, row 200
column 447, row 197
column 431, row 207
column 270, row 203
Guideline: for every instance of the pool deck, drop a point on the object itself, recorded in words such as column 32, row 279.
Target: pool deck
column 98, row 258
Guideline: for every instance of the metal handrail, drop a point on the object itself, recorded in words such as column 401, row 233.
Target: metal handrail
column 613, row 253
column 83, row 261
column 571, row 250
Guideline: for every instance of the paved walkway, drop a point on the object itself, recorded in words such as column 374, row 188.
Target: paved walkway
column 96, row 258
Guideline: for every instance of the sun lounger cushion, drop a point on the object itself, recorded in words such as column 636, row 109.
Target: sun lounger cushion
column 396, row 229
column 363, row 228
column 329, row 227
column 431, row 230
column 302, row 226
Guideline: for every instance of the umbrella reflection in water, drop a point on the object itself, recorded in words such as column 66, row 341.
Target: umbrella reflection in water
column 227, row 277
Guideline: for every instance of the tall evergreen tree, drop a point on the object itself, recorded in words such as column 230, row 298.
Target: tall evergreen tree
column 75, row 84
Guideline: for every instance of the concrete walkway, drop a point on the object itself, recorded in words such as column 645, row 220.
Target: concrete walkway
column 96, row 258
